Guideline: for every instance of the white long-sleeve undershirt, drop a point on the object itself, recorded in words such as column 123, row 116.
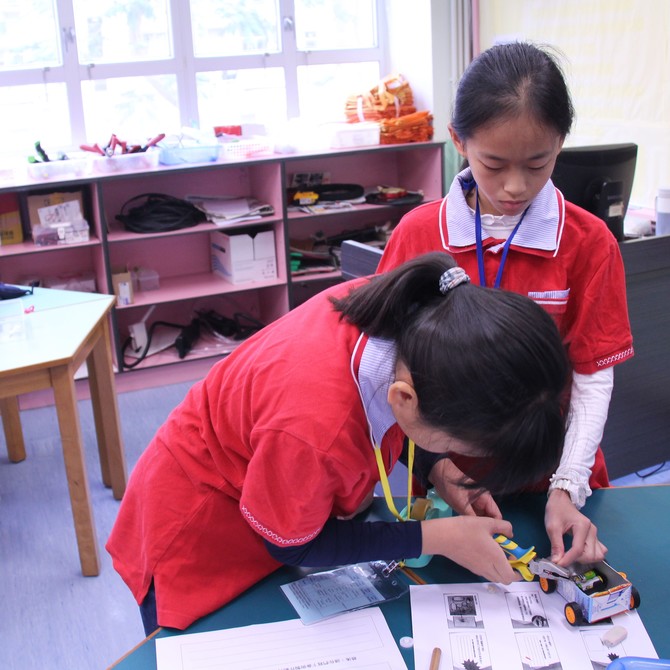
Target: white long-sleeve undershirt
column 589, row 404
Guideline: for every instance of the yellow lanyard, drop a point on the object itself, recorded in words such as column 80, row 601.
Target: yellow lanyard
column 384, row 480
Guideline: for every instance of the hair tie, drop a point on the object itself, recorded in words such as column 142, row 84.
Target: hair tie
column 452, row 278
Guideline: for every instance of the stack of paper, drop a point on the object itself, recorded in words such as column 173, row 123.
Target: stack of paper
column 224, row 211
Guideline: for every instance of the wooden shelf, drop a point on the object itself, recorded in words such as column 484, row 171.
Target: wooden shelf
column 182, row 258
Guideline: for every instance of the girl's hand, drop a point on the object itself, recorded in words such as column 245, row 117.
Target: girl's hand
column 445, row 477
column 468, row 541
column 561, row 517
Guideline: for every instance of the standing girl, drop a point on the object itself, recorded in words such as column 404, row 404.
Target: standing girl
column 508, row 226
column 267, row 459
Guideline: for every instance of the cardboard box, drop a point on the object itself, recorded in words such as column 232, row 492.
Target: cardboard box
column 49, row 208
column 244, row 257
column 122, row 282
column 10, row 219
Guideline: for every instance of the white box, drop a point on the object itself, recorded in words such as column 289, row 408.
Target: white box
column 343, row 135
column 244, row 257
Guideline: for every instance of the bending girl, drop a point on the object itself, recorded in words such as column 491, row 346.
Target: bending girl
column 267, row 459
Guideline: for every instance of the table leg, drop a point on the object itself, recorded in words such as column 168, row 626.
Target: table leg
column 73, row 453
column 11, row 422
column 106, row 414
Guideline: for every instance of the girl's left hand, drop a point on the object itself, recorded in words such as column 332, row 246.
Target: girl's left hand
column 562, row 517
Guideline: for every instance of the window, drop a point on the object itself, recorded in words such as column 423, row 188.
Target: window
column 75, row 71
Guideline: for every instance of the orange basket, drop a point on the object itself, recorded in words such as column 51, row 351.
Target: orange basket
column 391, row 98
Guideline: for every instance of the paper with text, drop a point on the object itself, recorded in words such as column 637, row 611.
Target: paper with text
column 489, row 626
column 357, row 640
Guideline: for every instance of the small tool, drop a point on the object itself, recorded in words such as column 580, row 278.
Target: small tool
column 524, row 561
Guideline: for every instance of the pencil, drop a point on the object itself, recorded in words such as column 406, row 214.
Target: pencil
column 412, row 575
column 435, row 659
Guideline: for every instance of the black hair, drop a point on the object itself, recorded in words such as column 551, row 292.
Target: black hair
column 508, row 80
column 488, row 365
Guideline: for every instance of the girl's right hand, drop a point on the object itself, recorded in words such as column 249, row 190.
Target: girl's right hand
column 468, row 541
column 446, row 478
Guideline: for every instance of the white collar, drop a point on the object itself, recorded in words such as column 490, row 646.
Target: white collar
column 538, row 231
column 376, row 373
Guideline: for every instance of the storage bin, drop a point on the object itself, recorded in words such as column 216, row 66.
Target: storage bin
column 147, row 279
column 193, row 154
column 241, row 149
column 71, row 167
column 342, row 135
column 143, row 160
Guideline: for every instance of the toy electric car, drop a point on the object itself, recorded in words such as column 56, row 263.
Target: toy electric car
column 594, row 591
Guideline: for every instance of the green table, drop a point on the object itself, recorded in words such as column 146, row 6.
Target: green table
column 632, row 522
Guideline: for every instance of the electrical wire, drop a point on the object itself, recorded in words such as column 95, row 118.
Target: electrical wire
column 657, row 469
column 159, row 213
column 147, row 346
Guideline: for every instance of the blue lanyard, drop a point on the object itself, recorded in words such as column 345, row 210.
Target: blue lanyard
column 480, row 248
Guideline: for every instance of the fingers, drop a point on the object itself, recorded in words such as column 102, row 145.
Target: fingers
column 468, row 541
column 585, row 549
column 485, row 505
column 557, row 546
column 561, row 518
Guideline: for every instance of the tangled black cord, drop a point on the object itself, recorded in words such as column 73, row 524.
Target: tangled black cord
column 159, row 213
column 143, row 354
column 240, row 327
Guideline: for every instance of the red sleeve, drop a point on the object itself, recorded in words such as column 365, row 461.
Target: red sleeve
column 417, row 233
column 599, row 335
column 292, row 488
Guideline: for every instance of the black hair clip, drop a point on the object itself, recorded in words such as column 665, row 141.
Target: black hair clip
column 7, row 291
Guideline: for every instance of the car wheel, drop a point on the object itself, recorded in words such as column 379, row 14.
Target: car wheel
column 634, row 598
column 547, row 585
column 573, row 614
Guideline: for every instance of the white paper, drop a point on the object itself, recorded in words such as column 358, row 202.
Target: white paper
column 230, row 210
column 64, row 212
column 359, row 640
column 490, row 626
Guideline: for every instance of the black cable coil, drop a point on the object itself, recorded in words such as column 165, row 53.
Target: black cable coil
column 159, row 213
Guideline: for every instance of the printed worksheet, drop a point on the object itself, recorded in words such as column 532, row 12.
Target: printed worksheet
column 358, row 640
column 483, row 626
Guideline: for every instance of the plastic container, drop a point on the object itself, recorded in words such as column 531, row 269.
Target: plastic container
column 12, row 320
column 663, row 211
column 72, row 167
column 147, row 279
column 71, row 232
column 143, row 160
column 342, row 135
column 245, row 148
column 192, row 154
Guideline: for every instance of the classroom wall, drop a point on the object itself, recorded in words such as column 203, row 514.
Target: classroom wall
column 425, row 44
column 616, row 57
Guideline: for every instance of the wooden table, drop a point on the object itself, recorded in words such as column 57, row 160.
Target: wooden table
column 57, row 332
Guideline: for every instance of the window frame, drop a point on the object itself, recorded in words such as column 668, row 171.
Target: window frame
column 184, row 65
